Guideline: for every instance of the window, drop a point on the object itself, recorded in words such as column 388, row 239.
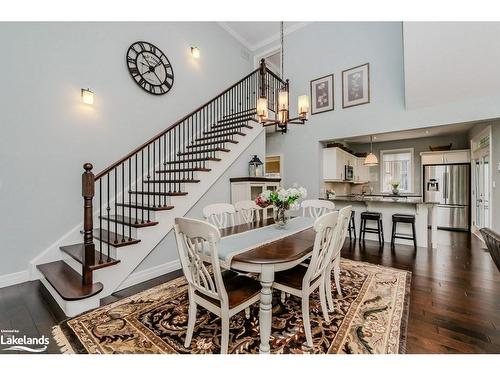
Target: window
column 396, row 166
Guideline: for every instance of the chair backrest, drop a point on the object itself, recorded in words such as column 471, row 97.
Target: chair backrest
column 492, row 240
column 198, row 240
column 316, row 207
column 248, row 210
column 220, row 214
column 341, row 230
column 324, row 226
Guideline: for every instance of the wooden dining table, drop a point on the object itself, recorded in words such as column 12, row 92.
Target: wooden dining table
column 267, row 259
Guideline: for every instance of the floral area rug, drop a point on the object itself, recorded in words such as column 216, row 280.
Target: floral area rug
column 371, row 317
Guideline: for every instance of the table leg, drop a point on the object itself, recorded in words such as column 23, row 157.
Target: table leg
column 266, row 307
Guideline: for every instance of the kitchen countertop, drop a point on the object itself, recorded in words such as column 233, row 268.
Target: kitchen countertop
column 404, row 199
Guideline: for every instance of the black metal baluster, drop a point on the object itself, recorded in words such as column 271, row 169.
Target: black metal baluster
column 108, row 208
column 123, row 202
column 142, row 184
column 148, row 177
column 129, row 198
column 154, row 185
column 165, row 167
column 116, row 217
column 100, row 221
column 136, row 203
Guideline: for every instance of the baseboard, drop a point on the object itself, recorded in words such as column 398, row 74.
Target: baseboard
column 150, row 273
column 14, row 278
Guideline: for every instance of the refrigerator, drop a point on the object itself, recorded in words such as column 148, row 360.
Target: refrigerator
column 449, row 186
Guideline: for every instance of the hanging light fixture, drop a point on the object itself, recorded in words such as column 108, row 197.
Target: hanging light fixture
column 371, row 159
column 282, row 116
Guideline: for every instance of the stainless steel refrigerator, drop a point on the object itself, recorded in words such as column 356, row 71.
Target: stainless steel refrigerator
column 449, row 186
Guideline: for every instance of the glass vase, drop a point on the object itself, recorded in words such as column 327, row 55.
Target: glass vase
column 281, row 217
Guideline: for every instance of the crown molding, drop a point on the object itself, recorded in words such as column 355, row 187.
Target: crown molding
column 262, row 43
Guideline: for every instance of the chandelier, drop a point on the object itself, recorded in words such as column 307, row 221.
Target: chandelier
column 282, row 118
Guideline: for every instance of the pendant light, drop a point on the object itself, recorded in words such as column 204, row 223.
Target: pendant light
column 282, row 119
column 371, row 159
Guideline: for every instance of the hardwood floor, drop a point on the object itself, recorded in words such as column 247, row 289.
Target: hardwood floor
column 454, row 302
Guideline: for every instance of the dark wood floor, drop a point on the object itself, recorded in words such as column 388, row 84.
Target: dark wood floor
column 454, row 302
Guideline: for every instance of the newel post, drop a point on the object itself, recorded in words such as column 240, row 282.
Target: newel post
column 88, row 225
column 262, row 73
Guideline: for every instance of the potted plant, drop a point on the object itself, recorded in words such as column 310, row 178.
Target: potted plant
column 395, row 187
column 282, row 200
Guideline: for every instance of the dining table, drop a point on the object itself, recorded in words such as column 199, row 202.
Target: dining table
column 264, row 248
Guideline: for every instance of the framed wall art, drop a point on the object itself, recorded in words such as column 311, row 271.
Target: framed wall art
column 356, row 86
column 322, row 94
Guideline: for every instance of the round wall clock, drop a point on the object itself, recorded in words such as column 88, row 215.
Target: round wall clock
column 150, row 68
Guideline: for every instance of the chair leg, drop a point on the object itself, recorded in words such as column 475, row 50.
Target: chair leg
column 382, row 231
column 283, row 297
column 191, row 323
column 306, row 321
column 247, row 313
column 322, row 299
column 328, row 288
column 224, row 344
column 378, row 233
column 393, row 234
column 354, row 226
column 336, row 275
column 361, row 230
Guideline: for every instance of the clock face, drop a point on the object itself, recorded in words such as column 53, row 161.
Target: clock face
column 150, row 68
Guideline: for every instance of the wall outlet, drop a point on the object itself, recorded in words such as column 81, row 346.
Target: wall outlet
column 498, row 166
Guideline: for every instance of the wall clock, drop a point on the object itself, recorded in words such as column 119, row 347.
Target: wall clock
column 150, row 68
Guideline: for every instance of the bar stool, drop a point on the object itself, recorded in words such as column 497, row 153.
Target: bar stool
column 374, row 216
column 352, row 226
column 402, row 218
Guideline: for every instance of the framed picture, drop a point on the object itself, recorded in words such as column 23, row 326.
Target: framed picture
column 356, row 86
column 322, row 94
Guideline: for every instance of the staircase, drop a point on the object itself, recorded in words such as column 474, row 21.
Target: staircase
column 130, row 206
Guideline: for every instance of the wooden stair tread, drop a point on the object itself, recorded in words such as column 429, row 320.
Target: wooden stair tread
column 192, row 160
column 203, row 144
column 76, row 252
column 182, row 181
column 133, row 206
column 194, row 152
column 115, row 239
column 178, row 170
column 221, row 128
column 235, row 120
column 245, row 112
column 129, row 221
column 220, row 135
column 167, row 194
column 67, row 282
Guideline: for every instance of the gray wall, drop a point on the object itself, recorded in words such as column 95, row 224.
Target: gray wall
column 495, row 162
column 459, row 141
column 323, row 48
column 47, row 133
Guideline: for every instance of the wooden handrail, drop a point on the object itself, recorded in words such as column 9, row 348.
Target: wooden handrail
column 150, row 141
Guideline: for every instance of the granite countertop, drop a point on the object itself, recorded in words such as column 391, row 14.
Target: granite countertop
column 405, row 199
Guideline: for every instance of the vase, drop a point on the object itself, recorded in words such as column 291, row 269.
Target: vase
column 395, row 191
column 281, row 217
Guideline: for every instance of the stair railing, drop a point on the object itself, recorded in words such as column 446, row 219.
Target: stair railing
column 148, row 176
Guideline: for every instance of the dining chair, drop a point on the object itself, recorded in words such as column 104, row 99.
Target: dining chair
column 340, row 237
column 248, row 210
column 224, row 293
column 316, row 207
column 220, row 214
column 302, row 280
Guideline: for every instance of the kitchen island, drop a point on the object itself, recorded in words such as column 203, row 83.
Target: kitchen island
column 394, row 204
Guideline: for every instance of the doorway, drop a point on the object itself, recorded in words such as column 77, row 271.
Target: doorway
column 481, row 181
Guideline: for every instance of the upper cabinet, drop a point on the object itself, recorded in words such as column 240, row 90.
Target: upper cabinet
column 334, row 162
column 445, row 157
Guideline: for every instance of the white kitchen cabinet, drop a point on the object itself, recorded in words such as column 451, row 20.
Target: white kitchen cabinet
column 445, row 157
column 334, row 161
column 361, row 172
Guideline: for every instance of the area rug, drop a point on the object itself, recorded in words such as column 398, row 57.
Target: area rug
column 371, row 317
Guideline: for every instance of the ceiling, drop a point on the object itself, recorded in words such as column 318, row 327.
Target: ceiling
column 413, row 133
column 254, row 35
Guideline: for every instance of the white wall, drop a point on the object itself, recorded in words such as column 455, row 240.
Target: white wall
column 47, row 133
column 323, row 48
column 449, row 61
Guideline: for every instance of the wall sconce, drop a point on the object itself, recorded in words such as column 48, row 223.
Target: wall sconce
column 195, row 52
column 87, row 96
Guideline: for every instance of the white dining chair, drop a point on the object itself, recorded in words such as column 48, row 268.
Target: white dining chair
column 340, row 237
column 316, row 207
column 220, row 214
column 224, row 293
column 248, row 210
column 302, row 280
